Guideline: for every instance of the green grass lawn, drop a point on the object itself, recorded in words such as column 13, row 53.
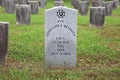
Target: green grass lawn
column 98, row 50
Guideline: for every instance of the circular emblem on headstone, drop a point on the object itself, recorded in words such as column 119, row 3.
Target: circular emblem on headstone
column 60, row 13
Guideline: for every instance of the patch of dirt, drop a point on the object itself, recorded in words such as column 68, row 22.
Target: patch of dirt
column 13, row 64
column 116, row 15
column 97, row 62
column 114, row 46
column 29, row 65
column 111, row 32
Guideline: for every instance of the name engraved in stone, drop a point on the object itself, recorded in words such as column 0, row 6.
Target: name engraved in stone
column 60, row 26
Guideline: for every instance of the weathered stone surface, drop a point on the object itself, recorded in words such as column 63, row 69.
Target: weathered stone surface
column 86, row 0
column 3, row 3
column 60, row 37
column 83, row 7
column 42, row 3
column 59, row 3
column 23, row 1
column 119, row 2
column 115, row 4
column 0, row 2
column 97, row 16
column 10, row 6
column 75, row 3
column 23, row 13
column 95, row 3
column 108, row 7
column 34, row 7
column 100, row 2
column 3, row 42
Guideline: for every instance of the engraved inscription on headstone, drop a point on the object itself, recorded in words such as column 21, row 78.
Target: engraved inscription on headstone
column 60, row 37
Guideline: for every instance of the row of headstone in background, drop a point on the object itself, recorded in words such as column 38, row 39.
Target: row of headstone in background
column 97, row 14
column 10, row 6
column 83, row 6
column 96, row 3
column 42, row 3
column 3, row 42
column 100, row 10
column 109, row 5
column 23, row 11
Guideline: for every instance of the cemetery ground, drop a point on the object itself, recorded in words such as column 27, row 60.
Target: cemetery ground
column 98, row 50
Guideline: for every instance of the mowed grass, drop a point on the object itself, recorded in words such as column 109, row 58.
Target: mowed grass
column 98, row 50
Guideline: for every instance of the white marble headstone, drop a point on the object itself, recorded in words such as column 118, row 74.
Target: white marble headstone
column 60, row 37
